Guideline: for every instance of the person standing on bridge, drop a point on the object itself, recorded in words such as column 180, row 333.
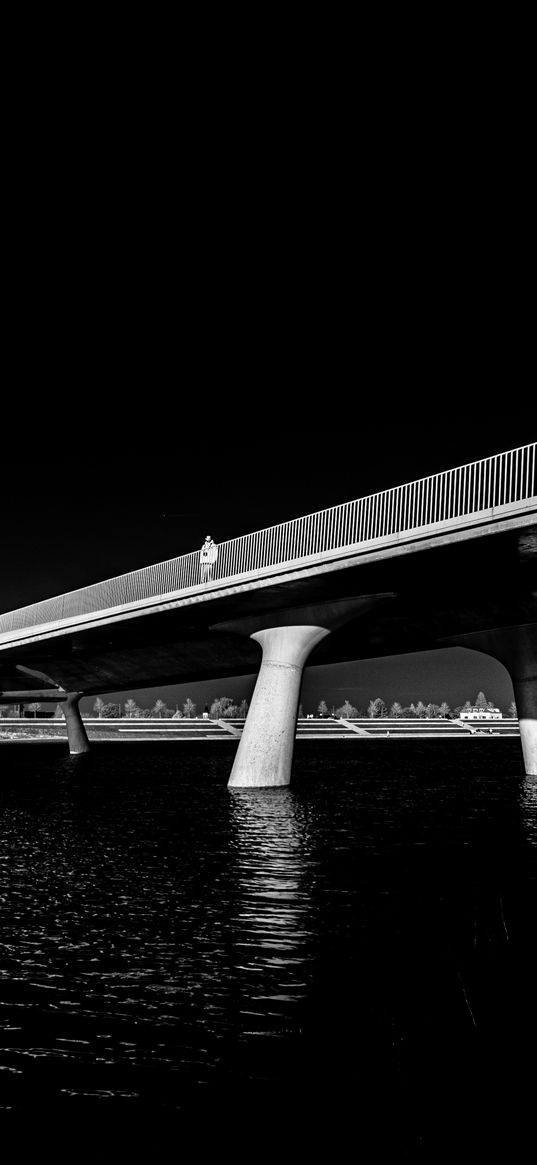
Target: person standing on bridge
column 208, row 556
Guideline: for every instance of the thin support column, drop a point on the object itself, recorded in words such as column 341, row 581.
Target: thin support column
column 516, row 648
column 526, row 706
column 265, row 754
column 76, row 732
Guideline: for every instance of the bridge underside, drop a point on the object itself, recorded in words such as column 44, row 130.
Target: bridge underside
column 413, row 602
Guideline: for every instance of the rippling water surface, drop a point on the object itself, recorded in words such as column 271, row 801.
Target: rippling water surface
column 354, row 955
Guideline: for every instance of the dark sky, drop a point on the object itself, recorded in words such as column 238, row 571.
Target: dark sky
column 91, row 496
column 236, row 322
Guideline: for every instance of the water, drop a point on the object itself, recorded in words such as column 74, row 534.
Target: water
column 353, row 956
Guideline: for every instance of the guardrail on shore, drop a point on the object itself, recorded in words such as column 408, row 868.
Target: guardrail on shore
column 500, row 485
column 324, row 728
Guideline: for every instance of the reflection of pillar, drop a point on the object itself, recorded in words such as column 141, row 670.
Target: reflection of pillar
column 516, row 648
column 265, row 752
column 274, row 867
column 76, row 732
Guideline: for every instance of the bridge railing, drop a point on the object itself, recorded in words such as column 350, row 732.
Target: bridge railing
column 455, row 498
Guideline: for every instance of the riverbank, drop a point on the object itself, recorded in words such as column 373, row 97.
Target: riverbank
column 129, row 730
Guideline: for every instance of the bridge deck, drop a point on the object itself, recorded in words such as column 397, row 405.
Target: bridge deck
column 464, row 500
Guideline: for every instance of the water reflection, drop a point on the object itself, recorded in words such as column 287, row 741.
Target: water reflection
column 274, row 872
column 528, row 804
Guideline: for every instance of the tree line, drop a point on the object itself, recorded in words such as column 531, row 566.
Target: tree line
column 224, row 708
column 378, row 709
column 221, row 708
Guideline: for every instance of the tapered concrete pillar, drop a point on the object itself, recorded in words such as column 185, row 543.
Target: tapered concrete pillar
column 76, row 732
column 265, row 753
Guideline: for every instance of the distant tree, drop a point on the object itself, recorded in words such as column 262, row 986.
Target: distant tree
column 34, row 707
column 396, row 710
column 347, row 711
column 223, row 708
column 98, row 706
column 111, row 711
column 409, row 712
column 131, row 709
column 444, row 709
column 377, row 708
column 189, row 708
column 158, row 708
column 431, row 711
column 467, row 707
column 243, row 708
column 412, row 711
column 421, row 711
column 456, row 712
column 145, row 713
column 58, row 712
column 511, row 711
column 481, row 700
column 323, row 708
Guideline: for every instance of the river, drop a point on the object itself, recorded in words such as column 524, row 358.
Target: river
column 354, row 956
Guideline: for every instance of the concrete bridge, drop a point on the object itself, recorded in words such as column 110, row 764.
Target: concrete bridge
column 449, row 560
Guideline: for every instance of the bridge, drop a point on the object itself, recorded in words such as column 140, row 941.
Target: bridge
column 447, row 560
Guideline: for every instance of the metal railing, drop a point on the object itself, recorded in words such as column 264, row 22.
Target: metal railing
column 449, row 500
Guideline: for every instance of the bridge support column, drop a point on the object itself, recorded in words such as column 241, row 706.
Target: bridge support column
column 76, row 732
column 265, row 753
column 516, row 648
column 526, row 703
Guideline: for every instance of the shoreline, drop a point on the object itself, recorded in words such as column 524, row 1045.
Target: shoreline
column 125, row 731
